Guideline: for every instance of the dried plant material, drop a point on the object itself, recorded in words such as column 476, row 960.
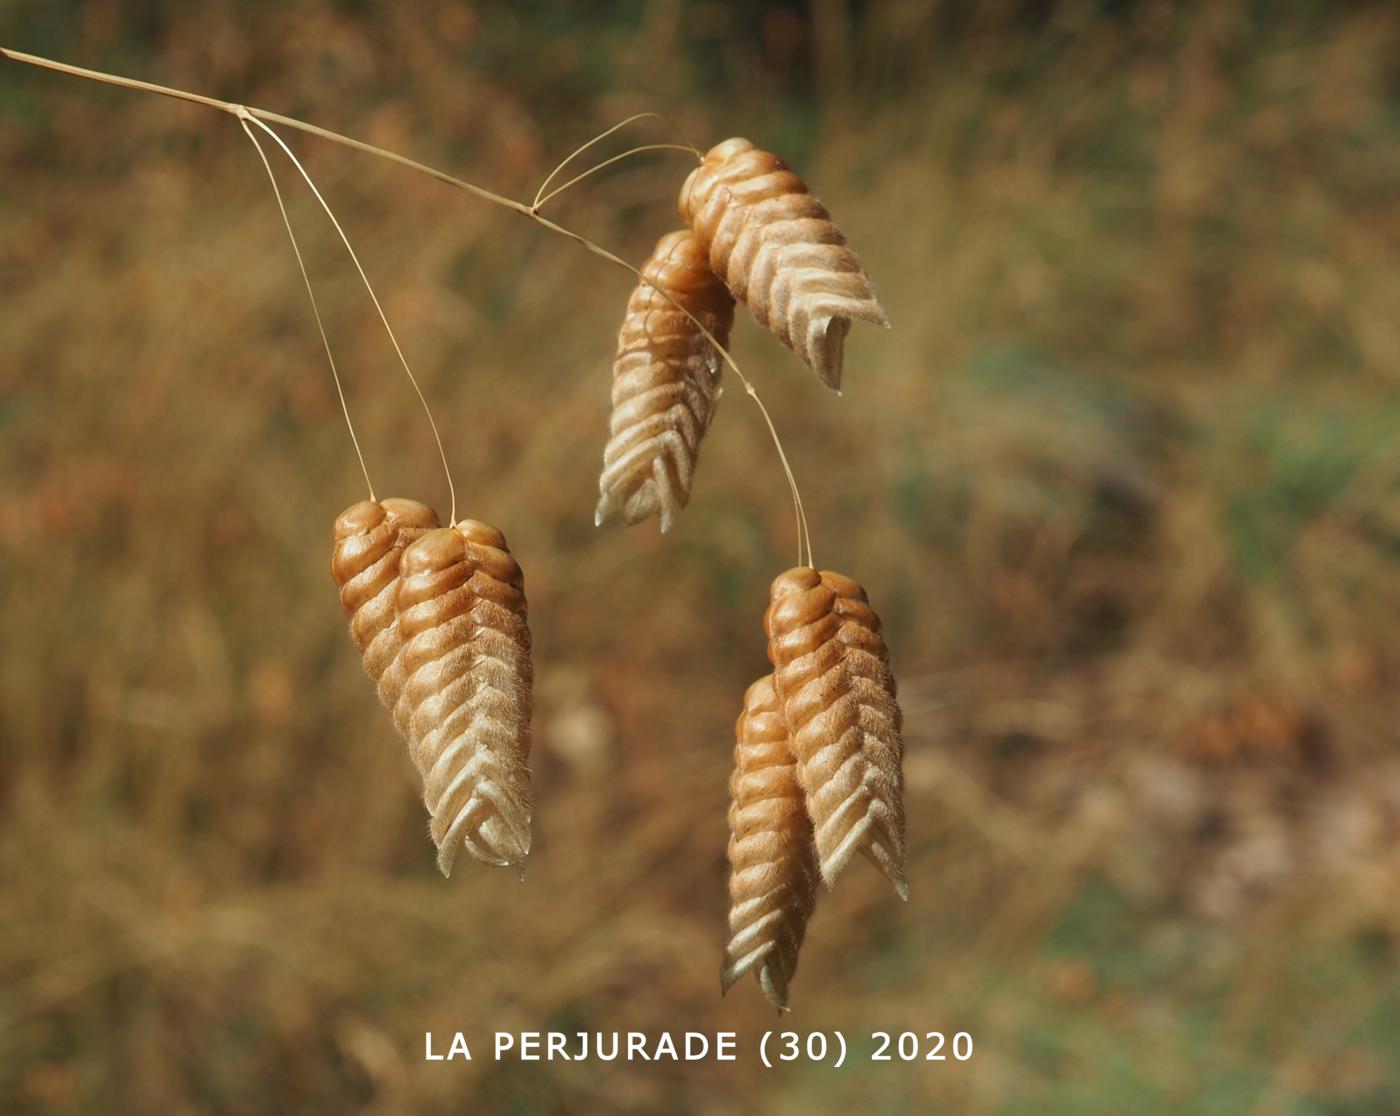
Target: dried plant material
column 665, row 384
column 779, row 253
column 1260, row 729
column 772, row 864
column 832, row 672
column 370, row 536
column 467, row 690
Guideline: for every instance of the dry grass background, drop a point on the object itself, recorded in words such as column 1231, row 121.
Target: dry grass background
column 1123, row 481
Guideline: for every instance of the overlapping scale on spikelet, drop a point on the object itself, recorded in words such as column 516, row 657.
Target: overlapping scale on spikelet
column 832, row 673
column 370, row 536
column 665, row 384
column 777, row 250
column 772, row 865
column 467, row 691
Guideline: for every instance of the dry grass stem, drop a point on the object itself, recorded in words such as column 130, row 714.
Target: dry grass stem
column 263, row 116
column 315, row 307
column 540, row 202
column 244, row 116
column 541, row 197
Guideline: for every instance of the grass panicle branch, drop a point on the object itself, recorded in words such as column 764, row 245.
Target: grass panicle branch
column 315, row 309
column 540, row 202
column 540, row 197
column 264, row 118
column 403, row 360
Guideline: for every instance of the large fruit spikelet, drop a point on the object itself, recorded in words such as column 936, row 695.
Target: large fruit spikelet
column 772, row 866
column 665, row 383
column 777, row 250
column 467, row 690
column 832, row 672
column 439, row 616
column 369, row 538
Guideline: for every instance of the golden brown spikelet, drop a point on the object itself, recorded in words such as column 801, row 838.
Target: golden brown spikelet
column 665, row 384
column 831, row 670
column 467, row 690
column 777, row 250
column 369, row 538
column 772, row 864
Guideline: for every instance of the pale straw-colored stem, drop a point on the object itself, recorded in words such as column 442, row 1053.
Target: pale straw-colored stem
column 601, row 136
column 541, row 202
column 315, row 309
column 437, row 437
column 243, row 112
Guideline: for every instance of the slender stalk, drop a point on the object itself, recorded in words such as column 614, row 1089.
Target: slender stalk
column 243, row 111
column 437, row 437
column 540, row 202
column 315, row 309
column 601, row 136
column 114, row 79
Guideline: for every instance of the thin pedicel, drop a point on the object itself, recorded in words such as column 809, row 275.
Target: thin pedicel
column 437, row 437
column 804, row 542
column 688, row 146
column 315, row 309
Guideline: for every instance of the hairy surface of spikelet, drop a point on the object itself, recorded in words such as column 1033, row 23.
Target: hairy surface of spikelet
column 832, row 672
column 370, row 537
column 665, row 384
column 772, row 865
column 777, row 250
column 467, row 690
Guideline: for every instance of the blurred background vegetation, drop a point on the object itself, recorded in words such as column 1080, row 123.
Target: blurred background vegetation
column 1123, row 481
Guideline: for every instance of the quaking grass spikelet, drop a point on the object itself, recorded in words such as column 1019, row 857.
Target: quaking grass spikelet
column 665, row 384
column 832, row 672
column 467, row 690
column 777, row 250
column 370, row 537
column 772, row 865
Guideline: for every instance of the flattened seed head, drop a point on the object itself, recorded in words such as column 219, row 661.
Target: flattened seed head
column 365, row 515
column 726, row 149
column 796, row 580
column 437, row 550
column 843, row 586
column 473, row 530
column 701, row 178
column 358, row 518
column 408, row 513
